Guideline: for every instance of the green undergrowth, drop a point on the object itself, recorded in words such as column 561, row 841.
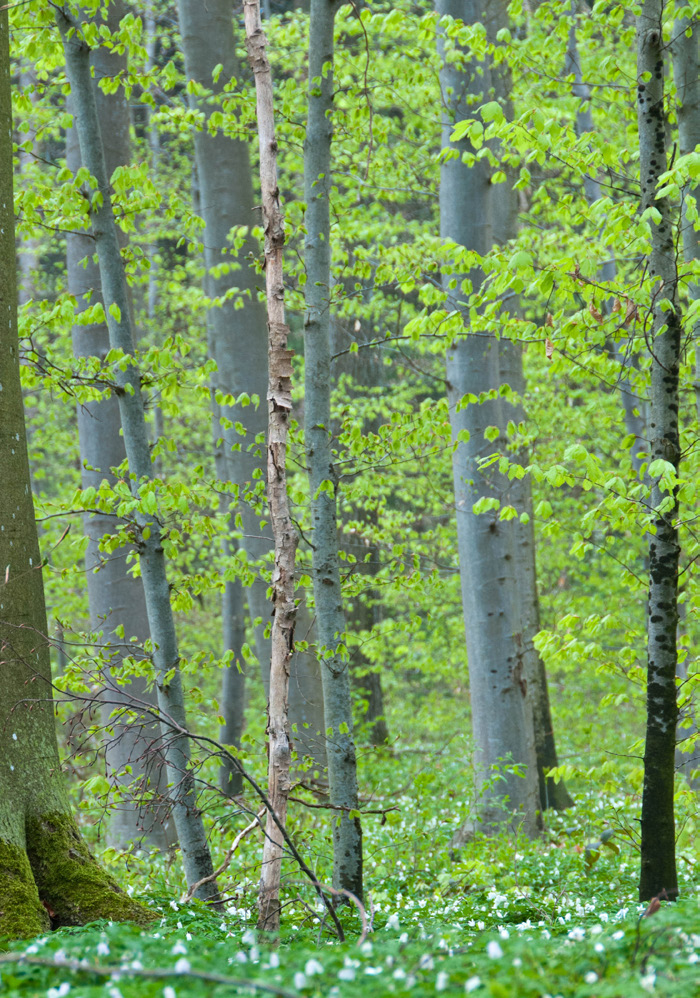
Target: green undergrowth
column 506, row 917
column 467, row 944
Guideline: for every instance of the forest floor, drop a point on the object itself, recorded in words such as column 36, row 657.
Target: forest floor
column 507, row 918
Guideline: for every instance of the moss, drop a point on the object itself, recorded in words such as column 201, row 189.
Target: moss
column 21, row 912
column 71, row 884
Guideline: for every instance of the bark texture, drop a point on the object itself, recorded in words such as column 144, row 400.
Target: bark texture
column 279, row 396
column 47, row 875
column 658, row 873
column 188, row 819
column 501, row 708
column 116, row 599
column 510, row 368
column 323, row 479
column 237, row 335
column 366, row 371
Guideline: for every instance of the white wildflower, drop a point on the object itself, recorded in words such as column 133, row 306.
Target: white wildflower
column 494, row 950
column 248, row 937
column 577, row 934
column 169, row 992
column 313, row 967
column 648, row 981
column 426, row 962
column 441, row 981
column 392, row 921
column 472, row 984
column 346, row 974
column 182, row 966
column 299, row 980
column 58, row 992
column 179, row 947
column 591, row 977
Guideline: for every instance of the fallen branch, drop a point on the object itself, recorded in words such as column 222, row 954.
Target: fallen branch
column 80, row 967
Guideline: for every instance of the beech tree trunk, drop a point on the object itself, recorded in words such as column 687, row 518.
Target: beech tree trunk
column 237, row 337
column 501, row 707
column 115, row 596
column 279, row 395
column 367, row 371
column 47, row 875
column 188, row 819
column 510, row 368
column 323, row 479
column 658, row 873
column 238, row 344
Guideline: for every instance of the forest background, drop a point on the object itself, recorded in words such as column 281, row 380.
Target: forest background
column 569, row 287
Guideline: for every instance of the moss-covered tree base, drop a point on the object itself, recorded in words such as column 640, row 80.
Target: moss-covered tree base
column 57, row 882
column 21, row 912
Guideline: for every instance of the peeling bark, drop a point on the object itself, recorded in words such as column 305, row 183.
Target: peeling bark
column 279, row 396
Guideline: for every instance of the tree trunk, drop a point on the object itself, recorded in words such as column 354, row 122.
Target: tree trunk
column 238, row 343
column 323, row 480
column 658, row 873
column 367, row 371
column 47, row 876
column 115, row 596
column 188, row 819
column 237, row 338
column 510, row 368
column 501, row 709
column 686, row 72
column 279, row 396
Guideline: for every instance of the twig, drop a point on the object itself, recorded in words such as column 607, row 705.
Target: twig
column 342, row 807
column 227, row 858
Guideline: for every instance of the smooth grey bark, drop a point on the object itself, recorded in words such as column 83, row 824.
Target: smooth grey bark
column 658, row 868
column 44, row 864
column 147, row 528
column 237, row 337
column 306, row 716
column 238, row 343
column 323, row 479
column 115, row 597
column 686, row 73
column 366, row 371
column 510, row 365
column 633, row 406
column 501, row 707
